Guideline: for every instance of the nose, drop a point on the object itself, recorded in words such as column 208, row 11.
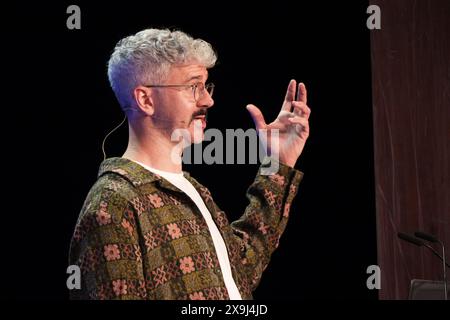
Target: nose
column 206, row 101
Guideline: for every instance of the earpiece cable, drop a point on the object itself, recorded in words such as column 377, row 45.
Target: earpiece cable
column 104, row 140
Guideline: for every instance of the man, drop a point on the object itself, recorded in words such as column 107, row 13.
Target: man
column 148, row 230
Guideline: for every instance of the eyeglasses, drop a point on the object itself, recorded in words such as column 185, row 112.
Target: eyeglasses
column 198, row 89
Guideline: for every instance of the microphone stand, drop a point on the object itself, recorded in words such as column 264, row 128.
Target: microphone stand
column 431, row 238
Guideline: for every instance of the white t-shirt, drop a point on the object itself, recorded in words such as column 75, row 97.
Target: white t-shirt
column 180, row 181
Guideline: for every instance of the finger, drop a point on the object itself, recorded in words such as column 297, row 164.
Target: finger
column 299, row 120
column 257, row 116
column 301, row 109
column 302, row 94
column 301, row 125
column 290, row 96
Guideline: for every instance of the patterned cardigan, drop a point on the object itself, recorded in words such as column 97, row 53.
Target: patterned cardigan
column 140, row 237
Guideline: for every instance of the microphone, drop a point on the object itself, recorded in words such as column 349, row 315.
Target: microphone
column 411, row 239
column 433, row 239
column 420, row 243
column 426, row 236
column 181, row 122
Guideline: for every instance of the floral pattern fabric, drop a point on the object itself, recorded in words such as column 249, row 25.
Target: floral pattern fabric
column 140, row 237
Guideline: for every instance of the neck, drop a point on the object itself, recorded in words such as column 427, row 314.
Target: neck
column 154, row 148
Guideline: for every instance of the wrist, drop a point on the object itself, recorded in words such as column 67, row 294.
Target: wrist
column 288, row 162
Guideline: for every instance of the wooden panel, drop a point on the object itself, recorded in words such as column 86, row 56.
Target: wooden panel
column 411, row 102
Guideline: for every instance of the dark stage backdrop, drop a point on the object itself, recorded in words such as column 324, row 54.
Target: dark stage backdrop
column 60, row 107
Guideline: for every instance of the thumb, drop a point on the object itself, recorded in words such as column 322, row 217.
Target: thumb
column 257, row 116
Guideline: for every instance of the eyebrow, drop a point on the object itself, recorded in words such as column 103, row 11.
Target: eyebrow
column 194, row 78
column 198, row 77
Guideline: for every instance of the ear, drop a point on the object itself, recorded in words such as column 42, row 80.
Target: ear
column 144, row 101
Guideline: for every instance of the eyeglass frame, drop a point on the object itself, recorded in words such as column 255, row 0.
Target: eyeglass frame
column 193, row 86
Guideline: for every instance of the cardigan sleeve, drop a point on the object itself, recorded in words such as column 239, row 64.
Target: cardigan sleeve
column 259, row 229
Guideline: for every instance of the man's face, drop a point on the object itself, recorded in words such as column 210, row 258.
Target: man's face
column 177, row 108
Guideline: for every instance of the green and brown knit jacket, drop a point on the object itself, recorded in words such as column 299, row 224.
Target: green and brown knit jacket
column 140, row 237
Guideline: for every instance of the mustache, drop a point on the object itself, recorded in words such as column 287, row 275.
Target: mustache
column 202, row 112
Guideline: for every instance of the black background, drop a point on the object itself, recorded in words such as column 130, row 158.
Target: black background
column 59, row 107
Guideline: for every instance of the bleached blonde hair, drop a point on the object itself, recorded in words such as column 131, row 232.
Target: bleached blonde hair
column 146, row 57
